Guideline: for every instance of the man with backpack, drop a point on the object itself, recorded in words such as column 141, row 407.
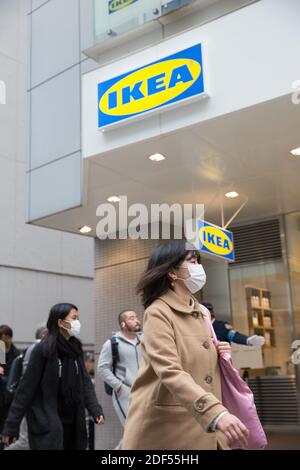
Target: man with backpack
column 119, row 362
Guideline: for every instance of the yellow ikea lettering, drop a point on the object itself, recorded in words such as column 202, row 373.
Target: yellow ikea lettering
column 215, row 240
column 150, row 87
column 119, row 4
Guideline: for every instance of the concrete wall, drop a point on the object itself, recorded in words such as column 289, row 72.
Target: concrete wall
column 59, row 31
column 217, row 286
column 38, row 267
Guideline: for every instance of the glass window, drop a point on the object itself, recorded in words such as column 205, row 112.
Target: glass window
column 260, row 306
column 292, row 223
column 116, row 17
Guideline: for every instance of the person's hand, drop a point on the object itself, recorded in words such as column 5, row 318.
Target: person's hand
column 235, row 431
column 120, row 390
column 256, row 340
column 6, row 440
column 223, row 347
column 100, row 420
column 1, row 371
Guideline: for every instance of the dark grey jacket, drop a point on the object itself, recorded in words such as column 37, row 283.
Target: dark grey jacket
column 36, row 398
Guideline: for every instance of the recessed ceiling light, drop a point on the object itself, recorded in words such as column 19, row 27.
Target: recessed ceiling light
column 157, row 157
column 296, row 152
column 113, row 199
column 85, row 229
column 232, row 194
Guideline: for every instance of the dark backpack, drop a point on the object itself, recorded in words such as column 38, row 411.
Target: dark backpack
column 115, row 359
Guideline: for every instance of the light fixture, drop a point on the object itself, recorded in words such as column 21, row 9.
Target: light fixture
column 85, row 229
column 296, row 152
column 232, row 194
column 113, row 199
column 157, row 157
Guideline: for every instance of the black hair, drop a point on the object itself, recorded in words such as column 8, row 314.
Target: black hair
column 57, row 312
column 6, row 330
column 210, row 307
column 121, row 315
column 155, row 281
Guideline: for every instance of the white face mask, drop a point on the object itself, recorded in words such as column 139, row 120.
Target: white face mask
column 197, row 278
column 75, row 328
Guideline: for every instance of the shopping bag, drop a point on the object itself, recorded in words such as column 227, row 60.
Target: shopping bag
column 237, row 396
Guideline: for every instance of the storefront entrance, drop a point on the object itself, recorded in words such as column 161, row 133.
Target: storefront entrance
column 258, row 294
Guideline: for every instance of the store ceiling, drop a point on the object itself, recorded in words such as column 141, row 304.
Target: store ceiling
column 245, row 151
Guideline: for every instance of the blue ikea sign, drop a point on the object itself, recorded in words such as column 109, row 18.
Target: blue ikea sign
column 168, row 81
column 214, row 240
column 116, row 5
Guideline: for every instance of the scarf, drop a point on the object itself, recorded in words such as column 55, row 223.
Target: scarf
column 69, row 352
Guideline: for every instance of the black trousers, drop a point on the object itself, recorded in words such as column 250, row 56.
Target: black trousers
column 69, row 436
column 3, row 415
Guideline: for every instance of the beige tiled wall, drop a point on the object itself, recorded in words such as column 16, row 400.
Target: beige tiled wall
column 119, row 264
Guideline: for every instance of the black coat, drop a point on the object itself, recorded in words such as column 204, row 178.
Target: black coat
column 36, row 398
column 5, row 397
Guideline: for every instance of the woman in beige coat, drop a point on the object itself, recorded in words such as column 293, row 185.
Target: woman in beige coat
column 175, row 401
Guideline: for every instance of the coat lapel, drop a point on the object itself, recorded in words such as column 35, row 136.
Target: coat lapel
column 179, row 305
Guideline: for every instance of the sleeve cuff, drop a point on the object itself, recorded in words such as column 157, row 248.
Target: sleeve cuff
column 213, row 425
column 117, row 386
column 206, row 409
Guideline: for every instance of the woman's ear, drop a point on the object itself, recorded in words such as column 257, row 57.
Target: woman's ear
column 172, row 276
column 61, row 323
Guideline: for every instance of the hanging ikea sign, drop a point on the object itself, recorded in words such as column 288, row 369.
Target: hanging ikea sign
column 116, row 5
column 167, row 82
column 214, row 240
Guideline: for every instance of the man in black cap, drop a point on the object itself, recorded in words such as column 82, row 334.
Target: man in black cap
column 225, row 332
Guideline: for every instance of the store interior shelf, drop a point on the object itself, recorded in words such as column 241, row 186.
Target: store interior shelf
column 260, row 314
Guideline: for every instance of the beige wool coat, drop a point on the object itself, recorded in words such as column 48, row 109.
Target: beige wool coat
column 177, row 393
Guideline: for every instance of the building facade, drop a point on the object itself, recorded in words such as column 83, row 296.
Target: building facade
column 38, row 267
column 230, row 128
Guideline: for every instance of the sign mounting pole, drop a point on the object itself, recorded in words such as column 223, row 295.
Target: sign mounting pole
column 236, row 213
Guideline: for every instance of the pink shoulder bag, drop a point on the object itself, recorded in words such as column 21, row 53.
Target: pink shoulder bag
column 237, row 396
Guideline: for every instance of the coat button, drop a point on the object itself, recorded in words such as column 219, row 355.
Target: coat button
column 206, row 344
column 200, row 404
column 208, row 379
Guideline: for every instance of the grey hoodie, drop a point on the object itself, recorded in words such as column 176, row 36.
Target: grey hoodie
column 128, row 365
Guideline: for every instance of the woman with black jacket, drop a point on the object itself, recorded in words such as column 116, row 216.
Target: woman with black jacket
column 55, row 389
